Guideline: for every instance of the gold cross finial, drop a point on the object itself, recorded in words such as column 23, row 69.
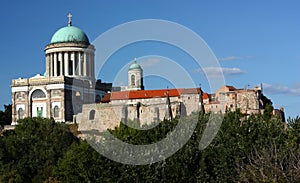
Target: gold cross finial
column 69, row 19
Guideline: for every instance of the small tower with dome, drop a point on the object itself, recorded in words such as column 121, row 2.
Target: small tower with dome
column 135, row 77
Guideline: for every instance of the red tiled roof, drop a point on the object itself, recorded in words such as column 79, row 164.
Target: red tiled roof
column 205, row 96
column 106, row 98
column 144, row 94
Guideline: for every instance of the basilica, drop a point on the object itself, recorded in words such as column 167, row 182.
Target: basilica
column 68, row 83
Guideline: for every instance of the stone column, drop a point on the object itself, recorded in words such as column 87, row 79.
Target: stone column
column 29, row 103
column 55, row 64
column 66, row 60
column 13, row 108
column 79, row 63
column 84, row 64
column 47, row 65
column 51, row 65
column 92, row 65
column 87, row 64
column 73, row 63
column 61, row 63
column 76, row 62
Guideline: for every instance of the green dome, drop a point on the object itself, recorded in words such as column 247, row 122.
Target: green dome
column 135, row 66
column 70, row 34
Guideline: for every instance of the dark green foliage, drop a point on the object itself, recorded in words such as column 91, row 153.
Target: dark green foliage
column 155, row 132
column 235, row 142
column 294, row 130
column 268, row 112
column 83, row 164
column 5, row 116
column 257, row 149
column 29, row 153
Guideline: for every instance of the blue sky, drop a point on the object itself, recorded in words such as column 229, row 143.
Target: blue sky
column 255, row 41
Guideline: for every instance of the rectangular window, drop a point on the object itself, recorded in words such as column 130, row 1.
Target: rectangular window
column 39, row 111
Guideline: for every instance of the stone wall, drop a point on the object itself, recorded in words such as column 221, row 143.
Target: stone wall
column 103, row 116
column 150, row 110
column 248, row 102
column 99, row 117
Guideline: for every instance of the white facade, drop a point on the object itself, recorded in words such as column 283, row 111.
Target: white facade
column 68, row 83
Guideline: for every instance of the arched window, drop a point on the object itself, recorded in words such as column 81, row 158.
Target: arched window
column 38, row 94
column 56, row 111
column 20, row 113
column 132, row 79
column 92, row 115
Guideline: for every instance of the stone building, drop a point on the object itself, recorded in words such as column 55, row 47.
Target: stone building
column 228, row 98
column 137, row 104
column 68, row 83
column 145, row 106
column 150, row 106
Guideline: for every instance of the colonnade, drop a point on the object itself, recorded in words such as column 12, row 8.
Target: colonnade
column 70, row 63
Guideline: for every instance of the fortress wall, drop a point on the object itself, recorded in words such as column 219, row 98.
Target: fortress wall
column 191, row 103
column 109, row 116
column 105, row 116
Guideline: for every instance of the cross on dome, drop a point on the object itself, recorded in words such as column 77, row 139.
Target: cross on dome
column 69, row 19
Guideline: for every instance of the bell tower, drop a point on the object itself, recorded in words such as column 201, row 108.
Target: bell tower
column 135, row 77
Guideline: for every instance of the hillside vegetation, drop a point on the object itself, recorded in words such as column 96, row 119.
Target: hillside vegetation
column 258, row 149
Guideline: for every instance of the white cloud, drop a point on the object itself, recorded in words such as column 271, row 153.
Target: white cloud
column 281, row 89
column 232, row 71
column 219, row 71
column 229, row 58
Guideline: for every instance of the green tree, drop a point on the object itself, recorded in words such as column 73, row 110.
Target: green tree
column 255, row 149
column 5, row 116
column 30, row 152
column 268, row 112
column 83, row 164
column 229, row 158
